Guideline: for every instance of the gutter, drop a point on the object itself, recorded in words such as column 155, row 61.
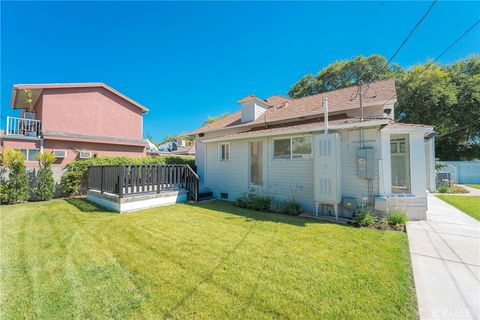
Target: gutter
column 320, row 128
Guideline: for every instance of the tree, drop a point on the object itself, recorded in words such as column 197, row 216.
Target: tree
column 342, row 74
column 170, row 137
column 211, row 119
column 45, row 187
column 447, row 97
column 15, row 190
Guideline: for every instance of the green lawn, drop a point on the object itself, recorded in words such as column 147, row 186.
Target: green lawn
column 468, row 204
column 476, row 186
column 68, row 259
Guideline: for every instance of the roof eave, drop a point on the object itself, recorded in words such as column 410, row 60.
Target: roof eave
column 74, row 85
column 321, row 127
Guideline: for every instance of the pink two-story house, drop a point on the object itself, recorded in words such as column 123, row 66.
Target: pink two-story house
column 75, row 121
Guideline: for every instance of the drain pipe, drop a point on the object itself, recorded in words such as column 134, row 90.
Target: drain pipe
column 325, row 113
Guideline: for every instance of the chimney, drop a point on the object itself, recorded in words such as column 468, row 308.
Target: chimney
column 252, row 108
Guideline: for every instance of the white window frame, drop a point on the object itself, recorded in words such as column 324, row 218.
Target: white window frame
column 397, row 139
column 220, row 145
column 291, row 148
column 80, row 155
column 250, row 164
column 28, row 153
column 64, row 156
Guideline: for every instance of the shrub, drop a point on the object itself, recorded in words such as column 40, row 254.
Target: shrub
column 261, row 203
column 254, row 201
column 365, row 219
column 397, row 219
column 381, row 223
column 3, row 190
column 457, row 189
column 291, row 207
column 454, row 188
column 15, row 190
column 70, row 182
column 45, row 187
column 443, row 189
column 242, row 202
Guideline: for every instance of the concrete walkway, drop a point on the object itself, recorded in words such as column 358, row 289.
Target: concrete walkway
column 472, row 191
column 445, row 252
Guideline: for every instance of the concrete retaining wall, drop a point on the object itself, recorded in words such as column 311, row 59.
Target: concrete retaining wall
column 137, row 202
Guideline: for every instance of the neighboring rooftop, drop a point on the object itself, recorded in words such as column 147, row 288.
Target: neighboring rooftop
column 18, row 96
column 284, row 108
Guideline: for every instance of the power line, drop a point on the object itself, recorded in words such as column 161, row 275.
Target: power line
column 458, row 129
column 360, row 82
column 406, row 39
column 433, row 61
column 410, row 34
column 455, row 42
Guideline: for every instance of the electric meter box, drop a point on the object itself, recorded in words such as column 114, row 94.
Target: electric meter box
column 366, row 163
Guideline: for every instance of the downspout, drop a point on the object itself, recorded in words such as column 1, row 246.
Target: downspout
column 360, row 96
column 325, row 112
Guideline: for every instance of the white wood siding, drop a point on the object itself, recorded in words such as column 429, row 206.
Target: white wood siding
column 290, row 178
column 227, row 176
column 352, row 185
column 287, row 179
column 259, row 110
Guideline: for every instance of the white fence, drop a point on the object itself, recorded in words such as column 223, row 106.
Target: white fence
column 462, row 171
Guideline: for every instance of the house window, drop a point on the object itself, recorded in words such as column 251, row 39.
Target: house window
column 302, row 147
column 282, row 149
column 293, row 148
column 85, row 154
column 256, row 163
column 400, row 155
column 224, row 151
column 30, row 154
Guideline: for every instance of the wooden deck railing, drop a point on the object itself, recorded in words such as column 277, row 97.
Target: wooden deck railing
column 127, row 180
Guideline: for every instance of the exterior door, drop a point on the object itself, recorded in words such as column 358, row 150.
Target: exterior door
column 256, row 163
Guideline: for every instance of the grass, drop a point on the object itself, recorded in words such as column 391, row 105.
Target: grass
column 69, row 259
column 476, row 186
column 468, row 204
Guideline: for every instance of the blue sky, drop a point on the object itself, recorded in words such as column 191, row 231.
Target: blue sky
column 185, row 61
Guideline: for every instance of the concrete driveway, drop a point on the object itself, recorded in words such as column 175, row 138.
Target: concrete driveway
column 445, row 252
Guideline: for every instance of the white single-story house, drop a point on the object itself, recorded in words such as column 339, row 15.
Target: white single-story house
column 331, row 152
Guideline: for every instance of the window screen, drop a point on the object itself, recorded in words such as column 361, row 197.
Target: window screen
column 281, row 149
column 302, row 147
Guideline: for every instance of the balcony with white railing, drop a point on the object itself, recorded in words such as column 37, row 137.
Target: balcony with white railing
column 22, row 127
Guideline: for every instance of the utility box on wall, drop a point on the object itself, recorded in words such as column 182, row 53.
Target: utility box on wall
column 327, row 169
column 366, row 163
